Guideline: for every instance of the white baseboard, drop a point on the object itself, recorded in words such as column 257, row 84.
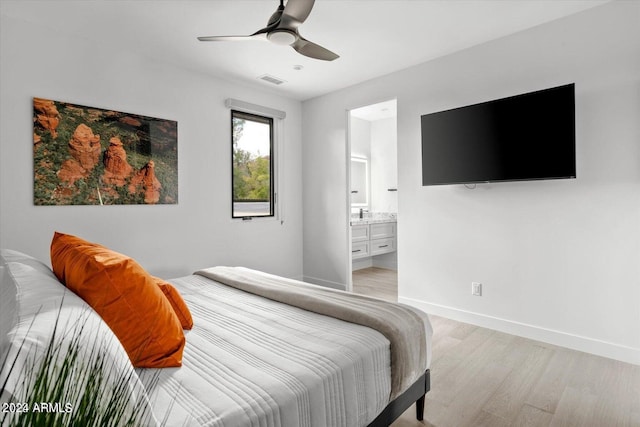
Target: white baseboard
column 559, row 338
column 327, row 283
column 359, row 264
column 386, row 261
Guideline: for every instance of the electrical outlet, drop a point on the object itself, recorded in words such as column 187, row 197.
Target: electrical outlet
column 476, row 289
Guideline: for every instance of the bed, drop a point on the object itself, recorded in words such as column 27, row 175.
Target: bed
column 263, row 351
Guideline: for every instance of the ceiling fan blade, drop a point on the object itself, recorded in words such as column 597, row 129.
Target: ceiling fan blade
column 312, row 50
column 299, row 10
column 224, row 38
column 256, row 36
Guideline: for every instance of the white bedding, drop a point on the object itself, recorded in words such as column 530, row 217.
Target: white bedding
column 251, row 361
column 34, row 304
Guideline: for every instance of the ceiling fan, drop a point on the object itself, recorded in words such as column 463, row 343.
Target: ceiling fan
column 282, row 29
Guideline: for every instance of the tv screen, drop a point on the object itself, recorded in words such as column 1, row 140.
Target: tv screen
column 523, row 137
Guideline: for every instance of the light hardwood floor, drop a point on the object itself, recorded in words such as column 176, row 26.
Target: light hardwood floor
column 481, row 377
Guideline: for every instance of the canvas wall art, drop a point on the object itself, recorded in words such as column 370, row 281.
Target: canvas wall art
column 91, row 156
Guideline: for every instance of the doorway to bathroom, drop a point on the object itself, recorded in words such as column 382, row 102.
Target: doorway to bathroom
column 373, row 196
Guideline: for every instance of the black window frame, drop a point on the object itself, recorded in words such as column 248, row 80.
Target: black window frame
column 272, row 191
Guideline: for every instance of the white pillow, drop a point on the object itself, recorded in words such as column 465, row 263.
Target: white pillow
column 8, row 303
column 9, row 255
column 8, row 306
column 42, row 303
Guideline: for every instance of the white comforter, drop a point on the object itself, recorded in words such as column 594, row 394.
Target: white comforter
column 251, row 361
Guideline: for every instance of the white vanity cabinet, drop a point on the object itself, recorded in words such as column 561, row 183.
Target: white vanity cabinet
column 382, row 246
column 382, row 230
column 360, row 241
column 373, row 239
column 382, row 238
column 359, row 233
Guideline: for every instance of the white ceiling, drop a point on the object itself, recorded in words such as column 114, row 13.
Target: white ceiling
column 372, row 37
column 379, row 111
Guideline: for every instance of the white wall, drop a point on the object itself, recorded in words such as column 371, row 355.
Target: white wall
column 558, row 259
column 360, row 138
column 168, row 240
column 384, row 165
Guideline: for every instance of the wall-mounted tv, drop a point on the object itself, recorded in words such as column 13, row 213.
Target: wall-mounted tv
column 522, row 137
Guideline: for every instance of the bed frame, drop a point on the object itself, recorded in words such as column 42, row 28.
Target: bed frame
column 416, row 393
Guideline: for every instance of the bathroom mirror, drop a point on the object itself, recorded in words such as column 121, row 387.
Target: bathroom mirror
column 359, row 182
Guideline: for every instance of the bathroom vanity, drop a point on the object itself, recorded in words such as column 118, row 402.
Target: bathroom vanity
column 372, row 237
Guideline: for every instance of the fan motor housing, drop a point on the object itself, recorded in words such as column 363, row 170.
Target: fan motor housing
column 282, row 37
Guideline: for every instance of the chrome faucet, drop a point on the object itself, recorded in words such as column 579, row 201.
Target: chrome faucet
column 362, row 211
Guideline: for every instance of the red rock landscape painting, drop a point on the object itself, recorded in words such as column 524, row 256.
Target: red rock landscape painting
column 90, row 156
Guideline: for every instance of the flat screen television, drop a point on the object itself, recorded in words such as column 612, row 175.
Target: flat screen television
column 522, row 137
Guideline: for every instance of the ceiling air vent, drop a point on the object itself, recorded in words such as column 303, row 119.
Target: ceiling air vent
column 271, row 79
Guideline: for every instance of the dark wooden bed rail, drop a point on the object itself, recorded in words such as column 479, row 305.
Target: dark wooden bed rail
column 416, row 393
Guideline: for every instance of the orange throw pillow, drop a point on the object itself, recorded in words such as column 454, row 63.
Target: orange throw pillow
column 125, row 296
column 177, row 303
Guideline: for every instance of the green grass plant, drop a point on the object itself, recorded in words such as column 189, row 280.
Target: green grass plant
column 74, row 383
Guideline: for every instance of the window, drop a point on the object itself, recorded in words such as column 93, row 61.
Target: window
column 252, row 176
